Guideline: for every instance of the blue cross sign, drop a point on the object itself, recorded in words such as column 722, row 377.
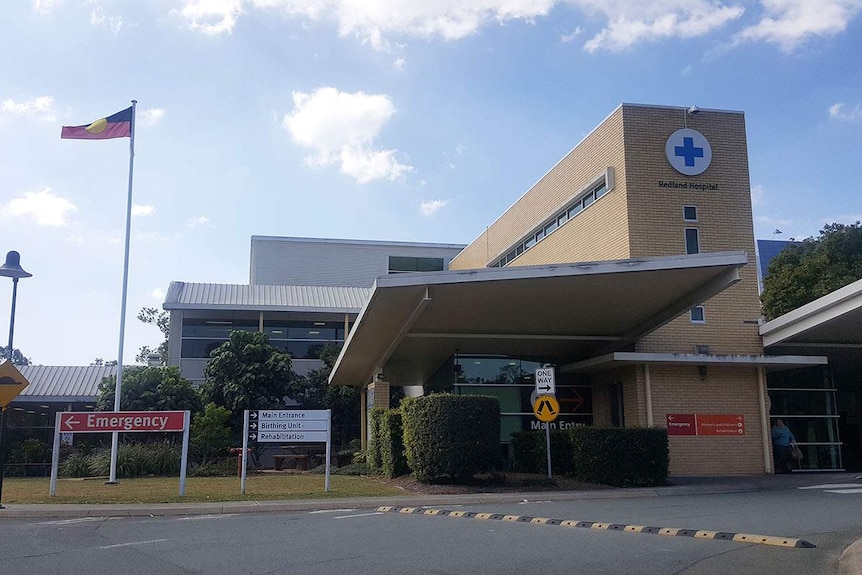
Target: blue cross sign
column 688, row 152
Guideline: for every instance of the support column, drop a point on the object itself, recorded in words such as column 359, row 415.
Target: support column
column 363, row 418
column 765, row 428
column 648, row 395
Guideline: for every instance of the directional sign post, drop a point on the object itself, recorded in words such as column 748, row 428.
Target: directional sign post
column 546, row 410
column 124, row 422
column 11, row 384
column 286, row 425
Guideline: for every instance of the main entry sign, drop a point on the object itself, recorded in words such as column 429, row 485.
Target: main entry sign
column 287, row 425
column 122, row 421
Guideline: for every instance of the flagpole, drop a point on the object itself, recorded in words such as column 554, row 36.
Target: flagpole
column 115, row 437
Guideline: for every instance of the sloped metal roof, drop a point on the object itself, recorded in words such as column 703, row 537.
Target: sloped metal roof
column 63, row 383
column 183, row 295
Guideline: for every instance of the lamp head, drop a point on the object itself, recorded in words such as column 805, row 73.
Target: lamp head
column 12, row 267
column 693, row 111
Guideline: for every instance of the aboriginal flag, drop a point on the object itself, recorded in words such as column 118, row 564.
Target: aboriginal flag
column 117, row 126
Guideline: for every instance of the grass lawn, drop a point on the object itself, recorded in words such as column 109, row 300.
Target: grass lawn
column 198, row 489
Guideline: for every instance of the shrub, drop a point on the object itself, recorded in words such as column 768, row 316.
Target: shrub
column 453, row 436
column 393, row 462
column 631, row 457
column 373, row 453
column 209, row 436
column 133, row 460
column 530, row 452
column 77, row 464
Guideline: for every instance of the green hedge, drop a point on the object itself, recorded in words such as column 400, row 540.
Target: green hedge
column 391, row 441
column 530, row 452
column 454, row 436
column 374, row 454
column 623, row 457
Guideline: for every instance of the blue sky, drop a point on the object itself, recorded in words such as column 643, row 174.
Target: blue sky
column 402, row 120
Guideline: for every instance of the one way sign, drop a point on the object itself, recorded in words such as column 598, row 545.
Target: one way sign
column 545, row 381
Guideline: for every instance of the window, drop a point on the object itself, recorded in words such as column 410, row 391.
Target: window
column 597, row 188
column 399, row 264
column 692, row 241
column 689, row 213
column 696, row 314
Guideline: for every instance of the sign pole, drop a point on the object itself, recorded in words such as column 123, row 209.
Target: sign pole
column 2, row 451
column 328, row 444
column 244, row 451
column 548, row 443
column 184, row 462
column 55, row 454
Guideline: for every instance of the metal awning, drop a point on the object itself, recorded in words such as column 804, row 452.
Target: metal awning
column 562, row 312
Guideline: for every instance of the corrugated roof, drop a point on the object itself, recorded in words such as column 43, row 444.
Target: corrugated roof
column 63, row 383
column 183, row 295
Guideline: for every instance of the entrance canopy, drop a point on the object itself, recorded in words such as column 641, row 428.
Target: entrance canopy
column 562, row 312
column 829, row 326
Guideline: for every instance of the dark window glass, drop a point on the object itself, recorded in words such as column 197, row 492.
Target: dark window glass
column 564, row 217
column 692, row 243
column 697, row 314
column 411, row 264
column 530, row 242
column 689, row 213
column 575, row 210
column 199, row 348
column 588, row 200
column 540, row 234
column 550, row 227
column 601, row 191
column 215, row 328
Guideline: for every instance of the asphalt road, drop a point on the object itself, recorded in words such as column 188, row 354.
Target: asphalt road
column 366, row 541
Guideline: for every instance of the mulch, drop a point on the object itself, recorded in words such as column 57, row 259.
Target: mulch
column 495, row 483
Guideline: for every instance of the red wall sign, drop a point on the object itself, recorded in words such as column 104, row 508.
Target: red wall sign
column 705, row 424
column 125, row 421
column 681, row 424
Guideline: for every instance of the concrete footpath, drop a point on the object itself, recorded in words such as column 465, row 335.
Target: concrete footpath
column 850, row 562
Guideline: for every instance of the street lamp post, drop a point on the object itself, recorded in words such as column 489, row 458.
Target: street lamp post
column 10, row 269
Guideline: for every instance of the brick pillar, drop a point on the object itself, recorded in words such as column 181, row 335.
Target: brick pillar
column 375, row 395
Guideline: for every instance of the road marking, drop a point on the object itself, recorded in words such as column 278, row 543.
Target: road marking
column 358, row 515
column 844, row 491
column 205, row 517
column 665, row 531
column 832, row 486
column 133, row 543
column 331, row 511
column 73, row 521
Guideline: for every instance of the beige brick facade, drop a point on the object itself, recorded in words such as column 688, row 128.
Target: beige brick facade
column 642, row 216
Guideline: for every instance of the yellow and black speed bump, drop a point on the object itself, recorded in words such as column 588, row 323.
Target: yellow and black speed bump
column 666, row 531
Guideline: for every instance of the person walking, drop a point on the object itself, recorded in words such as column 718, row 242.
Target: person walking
column 782, row 446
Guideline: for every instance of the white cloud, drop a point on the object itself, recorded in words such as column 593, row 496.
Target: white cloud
column 42, row 108
column 98, row 17
column 43, row 207
column 198, row 221
column 142, row 210
column 758, row 193
column 44, row 7
column 566, row 38
column 399, row 64
column 631, row 21
column 431, row 207
column 158, row 294
column 341, row 128
column 151, row 116
column 788, row 23
column 211, row 17
column 836, row 112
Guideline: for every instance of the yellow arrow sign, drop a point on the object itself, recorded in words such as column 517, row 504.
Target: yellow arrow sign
column 11, row 383
column 546, row 408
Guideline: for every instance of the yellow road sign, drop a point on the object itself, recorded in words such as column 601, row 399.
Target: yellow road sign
column 546, row 408
column 11, row 383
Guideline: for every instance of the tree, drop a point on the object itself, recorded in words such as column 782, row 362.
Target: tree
column 313, row 391
column 162, row 320
column 150, row 389
column 17, row 357
column 803, row 272
column 210, row 433
column 247, row 372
